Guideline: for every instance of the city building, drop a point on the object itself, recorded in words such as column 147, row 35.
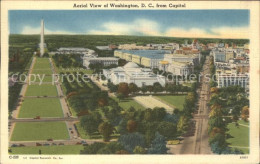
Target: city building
column 232, row 66
column 75, row 50
column 132, row 73
column 147, row 58
column 229, row 79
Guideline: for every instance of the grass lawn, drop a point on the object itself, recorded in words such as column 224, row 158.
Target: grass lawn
column 46, row 78
column 41, row 90
column 42, row 71
column 35, row 131
column 240, row 136
column 42, row 60
column 43, row 107
column 59, row 149
column 127, row 103
column 176, row 101
column 243, row 122
column 42, row 65
column 96, row 135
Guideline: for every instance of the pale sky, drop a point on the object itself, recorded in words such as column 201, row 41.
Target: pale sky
column 170, row 23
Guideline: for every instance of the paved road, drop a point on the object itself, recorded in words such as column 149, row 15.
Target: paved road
column 57, row 142
column 197, row 141
column 43, row 119
column 201, row 134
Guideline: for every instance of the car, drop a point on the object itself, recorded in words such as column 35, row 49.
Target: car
column 61, row 143
column 14, row 145
column 50, row 139
column 70, row 128
column 38, row 144
column 21, row 145
column 54, row 144
column 46, row 144
column 78, row 143
column 173, row 142
column 83, row 142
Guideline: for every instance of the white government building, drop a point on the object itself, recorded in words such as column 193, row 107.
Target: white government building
column 92, row 58
column 132, row 73
column 179, row 64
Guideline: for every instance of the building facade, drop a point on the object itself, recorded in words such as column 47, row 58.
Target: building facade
column 132, row 73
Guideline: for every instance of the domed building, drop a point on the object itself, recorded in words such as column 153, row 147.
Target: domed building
column 132, row 73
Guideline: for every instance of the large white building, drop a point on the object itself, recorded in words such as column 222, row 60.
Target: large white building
column 225, row 80
column 132, row 73
column 105, row 61
column 179, row 64
column 75, row 50
column 92, row 58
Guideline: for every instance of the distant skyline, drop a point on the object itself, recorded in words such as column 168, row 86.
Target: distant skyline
column 170, row 23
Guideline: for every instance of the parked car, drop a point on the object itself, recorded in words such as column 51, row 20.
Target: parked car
column 38, row 144
column 14, row 145
column 37, row 117
column 83, row 142
column 21, row 145
column 46, row 144
column 173, row 142
column 61, row 143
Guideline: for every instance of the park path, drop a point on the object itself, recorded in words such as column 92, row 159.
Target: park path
column 23, row 90
column 64, row 105
column 151, row 102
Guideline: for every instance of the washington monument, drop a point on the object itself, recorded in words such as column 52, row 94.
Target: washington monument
column 42, row 38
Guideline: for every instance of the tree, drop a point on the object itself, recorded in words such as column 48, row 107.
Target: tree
column 245, row 113
column 93, row 148
column 167, row 129
column 133, row 88
column 120, row 96
column 157, row 87
column 144, row 89
column 139, row 150
column 90, row 122
column 131, row 126
column 45, row 55
column 122, row 127
column 131, row 140
column 182, row 125
column 112, row 87
column 158, row 145
column 110, row 148
column 123, row 89
column 106, row 129
column 114, row 147
column 158, row 114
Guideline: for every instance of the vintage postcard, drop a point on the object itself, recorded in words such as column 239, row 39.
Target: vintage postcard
column 129, row 82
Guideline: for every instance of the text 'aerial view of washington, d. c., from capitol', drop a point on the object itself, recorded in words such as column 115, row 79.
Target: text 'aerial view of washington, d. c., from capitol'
column 128, row 82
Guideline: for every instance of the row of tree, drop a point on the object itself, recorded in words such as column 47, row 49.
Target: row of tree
column 68, row 60
column 124, row 89
column 226, row 106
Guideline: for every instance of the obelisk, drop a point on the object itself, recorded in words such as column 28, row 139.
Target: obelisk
column 42, row 39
